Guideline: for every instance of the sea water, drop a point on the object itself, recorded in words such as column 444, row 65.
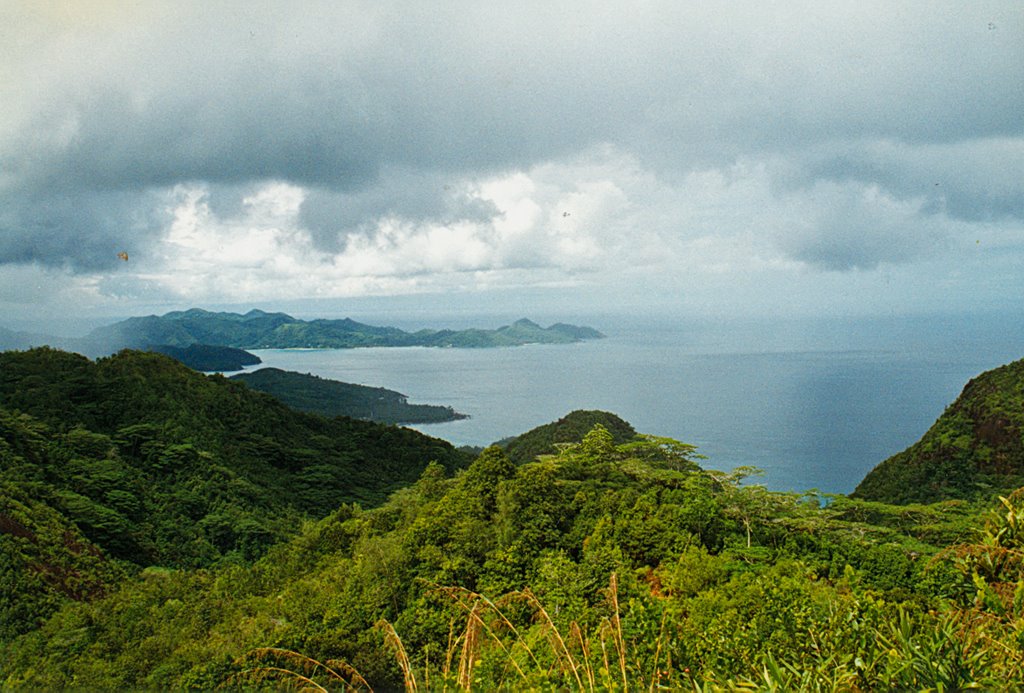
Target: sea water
column 815, row 404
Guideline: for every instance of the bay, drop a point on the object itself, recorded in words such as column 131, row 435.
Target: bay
column 814, row 403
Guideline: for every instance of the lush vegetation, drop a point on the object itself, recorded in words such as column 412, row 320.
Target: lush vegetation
column 259, row 330
column 312, row 393
column 204, row 357
column 135, row 460
column 608, row 561
column 603, row 566
column 975, row 447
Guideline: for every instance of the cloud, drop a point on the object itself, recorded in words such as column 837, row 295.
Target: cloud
column 81, row 232
column 415, row 148
column 331, row 216
column 859, row 227
column 525, row 230
column 972, row 180
column 157, row 96
column 28, row 284
column 598, row 218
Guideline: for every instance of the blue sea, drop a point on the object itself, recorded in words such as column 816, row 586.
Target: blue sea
column 814, row 403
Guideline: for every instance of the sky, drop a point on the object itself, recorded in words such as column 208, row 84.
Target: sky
column 740, row 158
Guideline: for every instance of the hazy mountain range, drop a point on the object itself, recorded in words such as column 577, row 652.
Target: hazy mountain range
column 260, row 330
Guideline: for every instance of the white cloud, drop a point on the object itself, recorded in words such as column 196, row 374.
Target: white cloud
column 251, row 152
column 594, row 219
column 263, row 249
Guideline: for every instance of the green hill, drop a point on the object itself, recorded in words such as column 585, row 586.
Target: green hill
column 333, row 398
column 45, row 559
column 161, row 465
column 135, row 460
column 976, row 446
column 602, row 567
column 259, row 330
column 165, row 530
column 571, row 428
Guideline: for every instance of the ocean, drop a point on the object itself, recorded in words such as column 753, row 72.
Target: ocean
column 814, row 403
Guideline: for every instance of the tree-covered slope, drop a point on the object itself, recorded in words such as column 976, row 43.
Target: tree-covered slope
column 156, row 533
column 45, row 559
column 259, row 330
column 181, row 328
column 312, row 393
column 543, row 440
column 977, row 445
column 603, row 567
column 158, row 464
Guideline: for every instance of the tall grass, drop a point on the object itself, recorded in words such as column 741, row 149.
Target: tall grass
column 489, row 633
column 293, row 669
column 486, row 650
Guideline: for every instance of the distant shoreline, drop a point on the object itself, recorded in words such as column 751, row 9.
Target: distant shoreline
column 261, row 330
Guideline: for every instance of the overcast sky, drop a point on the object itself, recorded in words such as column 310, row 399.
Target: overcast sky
column 705, row 158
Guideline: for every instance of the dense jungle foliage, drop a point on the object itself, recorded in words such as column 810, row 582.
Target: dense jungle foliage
column 614, row 562
column 135, row 460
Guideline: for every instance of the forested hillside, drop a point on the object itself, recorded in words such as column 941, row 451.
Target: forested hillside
column 604, row 566
column 157, row 532
column 137, row 459
column 545, row 439
column 975, row 447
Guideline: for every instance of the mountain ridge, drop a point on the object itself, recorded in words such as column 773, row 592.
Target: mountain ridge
column 258, row 329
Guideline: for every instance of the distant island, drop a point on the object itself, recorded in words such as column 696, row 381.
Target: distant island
column 260, row 330
column 318, row 395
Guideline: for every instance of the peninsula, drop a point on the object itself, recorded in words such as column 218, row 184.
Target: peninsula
column 311, row 393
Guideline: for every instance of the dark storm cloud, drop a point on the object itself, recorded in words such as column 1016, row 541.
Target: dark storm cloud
column 80, row 232
column 370, row 106
column 971, row 180
column 856, row 227
column 330, row 214
column 231, row 135
column 845, row 245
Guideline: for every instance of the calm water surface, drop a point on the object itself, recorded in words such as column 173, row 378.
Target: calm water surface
column 815, row 404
